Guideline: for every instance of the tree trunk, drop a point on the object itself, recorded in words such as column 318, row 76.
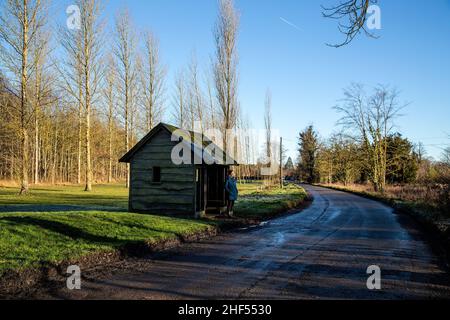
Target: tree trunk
column 80, row 132
column 23, row 102
column 55, row 154
column 127, row 137
column 24, row 163
column 36, row 148
column 110, row 145
column 88, row 138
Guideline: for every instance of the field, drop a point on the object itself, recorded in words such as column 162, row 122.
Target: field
column 102, row 195
column 53, row 224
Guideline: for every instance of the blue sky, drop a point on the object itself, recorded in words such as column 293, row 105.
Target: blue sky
column 305, row 76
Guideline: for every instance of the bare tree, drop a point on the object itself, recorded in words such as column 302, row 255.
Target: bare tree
column 152, row 81
column 268, row 148
column 82, row 70
column 247, row 146
column 70, row 70
column 268, row 124
column 20, row 25
column 9, row 132
column 225, row 65
column 355, row 14
column 79, row 84
column 42, row 91
column 446, row 156
column 195, row 94
column 420, row 151
column 212, row 107
column 109, row 95
column 180, row 104
column 135, row 93
column 125, row 53
column 373, row 119
column 91, row 63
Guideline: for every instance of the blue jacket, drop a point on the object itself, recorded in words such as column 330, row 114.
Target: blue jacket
column 231, row 188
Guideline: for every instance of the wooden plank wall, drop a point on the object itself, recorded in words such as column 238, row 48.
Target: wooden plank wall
column 175, row 194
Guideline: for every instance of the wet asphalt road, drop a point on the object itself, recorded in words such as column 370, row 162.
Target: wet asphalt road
column 322, row 252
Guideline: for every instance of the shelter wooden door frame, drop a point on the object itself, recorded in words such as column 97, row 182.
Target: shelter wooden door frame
column 216, row 188
column 201, row 190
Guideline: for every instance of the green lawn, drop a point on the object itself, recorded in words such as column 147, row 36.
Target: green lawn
column 29, row 238
column 53, row 224
column 114, row 195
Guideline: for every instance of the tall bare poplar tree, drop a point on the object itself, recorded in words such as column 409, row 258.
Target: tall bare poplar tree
column 79, row 83
column 212, row 107
column 180, row 101
column 268, row 125
column 82, row 70
column 42, row 92
column 125, row 54
column 197, row 101
column 109, row 95
column 91, row 31
column 225, row 65
column 152, row 81
column 20, row 26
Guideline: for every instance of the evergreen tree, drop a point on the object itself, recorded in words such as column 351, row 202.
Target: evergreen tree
column 289, row 164
column 308, row 149
column 402, row 161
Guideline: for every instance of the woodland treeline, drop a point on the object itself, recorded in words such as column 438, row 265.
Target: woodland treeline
column 75, row 97
column 367, row 150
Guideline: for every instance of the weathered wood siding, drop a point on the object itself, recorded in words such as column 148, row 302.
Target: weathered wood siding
column 175, row 194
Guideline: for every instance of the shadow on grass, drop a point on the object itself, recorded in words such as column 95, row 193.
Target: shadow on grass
column 80, row 234
column 64, row 229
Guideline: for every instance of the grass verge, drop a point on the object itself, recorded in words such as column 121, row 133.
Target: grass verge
column 54, row 227
column 29, row 239
column 258, row 203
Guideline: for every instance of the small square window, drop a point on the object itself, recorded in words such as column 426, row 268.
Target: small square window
column 156, row 174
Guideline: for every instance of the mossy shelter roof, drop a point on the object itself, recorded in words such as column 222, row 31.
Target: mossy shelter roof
column 199, row 144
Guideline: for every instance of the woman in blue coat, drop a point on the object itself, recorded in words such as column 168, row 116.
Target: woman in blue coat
column 232, row 192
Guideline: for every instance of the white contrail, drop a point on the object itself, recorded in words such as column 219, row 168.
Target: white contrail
column 290, row 23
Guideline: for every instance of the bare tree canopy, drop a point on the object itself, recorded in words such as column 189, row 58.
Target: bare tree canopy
column 152, row 79
column 372, row 119
column 446, row 156
column 125, row 51
column 354, row 15
column 21, row 27
column 83, row 71
column 268, row 125
column 225, row 65
column 180, row 108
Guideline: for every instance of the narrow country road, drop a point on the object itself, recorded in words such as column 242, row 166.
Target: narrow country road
column 322, row 252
